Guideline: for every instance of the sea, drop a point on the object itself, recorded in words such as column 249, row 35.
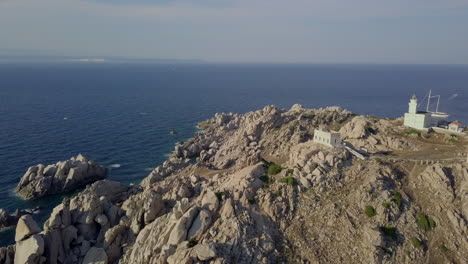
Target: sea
column 120, row 115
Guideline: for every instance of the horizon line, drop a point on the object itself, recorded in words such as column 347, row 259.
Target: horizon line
column 95, row 60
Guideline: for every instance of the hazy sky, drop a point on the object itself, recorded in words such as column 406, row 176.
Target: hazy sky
column 380, row 31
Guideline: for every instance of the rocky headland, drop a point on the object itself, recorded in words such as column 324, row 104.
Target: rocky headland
column 62, row 177
column 255, row 188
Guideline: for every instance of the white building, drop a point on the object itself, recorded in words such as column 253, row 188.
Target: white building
column 327, row 138
column 455, row 126
column 417, row 119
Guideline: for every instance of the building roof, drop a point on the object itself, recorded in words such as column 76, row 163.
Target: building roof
column 324, row 129
column 456, row 123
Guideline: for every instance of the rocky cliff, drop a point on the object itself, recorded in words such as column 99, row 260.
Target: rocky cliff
column 254, row 188
column 62, row 177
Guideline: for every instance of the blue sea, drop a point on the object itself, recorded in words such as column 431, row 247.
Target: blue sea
column 120, row 114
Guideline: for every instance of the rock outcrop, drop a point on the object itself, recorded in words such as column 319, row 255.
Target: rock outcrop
column 7, row 255
column 29, row 243
column 62, row 177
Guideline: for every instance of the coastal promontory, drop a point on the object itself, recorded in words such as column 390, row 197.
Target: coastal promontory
column 267, row 187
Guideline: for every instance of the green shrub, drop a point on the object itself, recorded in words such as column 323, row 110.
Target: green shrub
column 425, row 222
column 274, row 169
column 386, row 205
column 192, row 242
column 220, row 195
column 290, row 171
column 397, row 199
column 292, row 128
column 413, row 132
column 389, row 231
column 278, row 193
column 453, row 140
column 264, row 178
column 288, row 180
column 370, row 211
column 267, row 180
column 443, row 248
column 417, row 243
column 251, row 200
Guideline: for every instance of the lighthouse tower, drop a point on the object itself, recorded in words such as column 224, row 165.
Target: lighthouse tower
column 415, row 119
column 413, row 105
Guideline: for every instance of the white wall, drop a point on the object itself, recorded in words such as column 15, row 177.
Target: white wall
column 327, row 138
column 418, row 121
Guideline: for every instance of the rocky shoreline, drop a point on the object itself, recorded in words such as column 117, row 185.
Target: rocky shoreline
column 255, row 188
column 10, row 220
column 62, row 177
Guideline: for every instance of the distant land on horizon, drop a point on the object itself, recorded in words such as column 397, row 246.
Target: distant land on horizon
column 32, row 56
column 85, row 59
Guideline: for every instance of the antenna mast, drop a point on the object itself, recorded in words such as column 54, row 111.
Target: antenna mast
column 438, row 100
column 428, row 101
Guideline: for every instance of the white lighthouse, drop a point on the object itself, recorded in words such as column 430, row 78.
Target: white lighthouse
column 413, row 105
column 416, row 119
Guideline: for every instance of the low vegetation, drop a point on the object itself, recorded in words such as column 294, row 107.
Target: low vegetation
column 278, row 193
column 389, row 231
column 397, row 199
column 425, row 222
column 264, row 178
column 453, row 140
column 370, row 211
column 386, row 205
column 192, row 242
column 267, row 180
column 251, row 200
column 220, row 195
column 273, row 168
column 288, row 180
column 417, row 243
column 413, row 132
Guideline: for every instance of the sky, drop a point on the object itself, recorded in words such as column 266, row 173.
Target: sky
column 270, row 31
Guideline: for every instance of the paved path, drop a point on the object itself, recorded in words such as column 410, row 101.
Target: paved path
column 423, row 161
